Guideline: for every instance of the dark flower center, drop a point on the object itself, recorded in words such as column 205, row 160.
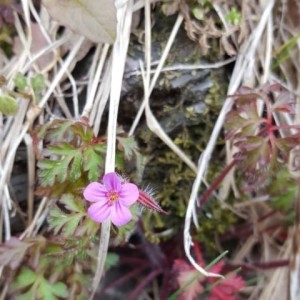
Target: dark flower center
column 112, row 196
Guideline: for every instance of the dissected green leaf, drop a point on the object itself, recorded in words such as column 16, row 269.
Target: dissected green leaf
column 72, row 204
column 8, row 105
column 50, row 171
column 128, row 145
column 67, row 223
column 93, row 161
column 95, row 19
column 57, row 130
column 75, row 166
column 87, row 226
column 84, row 132
column 66, row 166
column 74, row 221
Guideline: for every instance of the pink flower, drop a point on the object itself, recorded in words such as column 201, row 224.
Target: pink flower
column 111, row 199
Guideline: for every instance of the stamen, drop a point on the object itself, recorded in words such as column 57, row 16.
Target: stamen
column 112, row 195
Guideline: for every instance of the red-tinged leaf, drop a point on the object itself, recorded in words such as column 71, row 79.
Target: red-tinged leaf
column 233, row 122
column 275, row 87
column 249, row 111
column 285, row 101
column 250, row 129
column 58, row 130
column 244, row 99
column 12, row 252
column 189, row 280
column 84, row 132
column 146, row 199
column 227, row 289
column 245, row 90
column 248, row 161
column 286, row 144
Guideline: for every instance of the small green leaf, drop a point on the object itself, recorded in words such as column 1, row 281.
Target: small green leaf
column 20, row 82
column 25, row 278
column 38, row 84
column 60, row 289
column 75, row 166
column 8, row 105
column 198, row 13
column 234, row 16
column 29, row 295
column 111, row 260
column 45, row 290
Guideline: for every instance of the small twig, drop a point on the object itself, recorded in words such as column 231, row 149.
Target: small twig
column 124, row 15
column 31, row 176
column 185, row 67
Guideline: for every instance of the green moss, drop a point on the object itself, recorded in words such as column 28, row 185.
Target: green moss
column 172, row 178
column 214, row 220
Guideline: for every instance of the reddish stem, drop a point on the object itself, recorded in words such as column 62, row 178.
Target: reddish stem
column 275, row 127
column 122, row 279
column 216, row 183
column 138, row 290
column 261, row 265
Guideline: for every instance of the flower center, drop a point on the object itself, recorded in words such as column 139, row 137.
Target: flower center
column 112, row 196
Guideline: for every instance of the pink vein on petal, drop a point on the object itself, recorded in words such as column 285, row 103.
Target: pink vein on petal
column 129, row 194
column 120, row 215
column 94, row 192
column 112, row 182
column 99, row 211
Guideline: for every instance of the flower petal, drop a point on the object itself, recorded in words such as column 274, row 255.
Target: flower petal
column 94, row 192
column 120, row 215
column 99, row 211
column 112, row 182
column 128, row 194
